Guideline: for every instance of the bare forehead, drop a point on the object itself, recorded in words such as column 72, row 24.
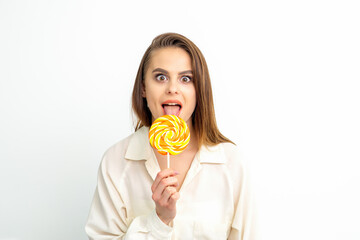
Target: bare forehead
column 171, row 58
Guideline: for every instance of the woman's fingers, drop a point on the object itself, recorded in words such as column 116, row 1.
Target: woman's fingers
column 173, row 198
column 163, row 185
column 162, row 175
column 166, row 196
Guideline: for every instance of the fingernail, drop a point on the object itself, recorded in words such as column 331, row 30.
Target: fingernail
column 177, row 173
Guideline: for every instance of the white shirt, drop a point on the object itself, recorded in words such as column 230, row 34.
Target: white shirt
column 215, row 198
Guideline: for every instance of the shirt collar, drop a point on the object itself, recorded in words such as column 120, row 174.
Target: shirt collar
column 139, row 146
column 140, row 149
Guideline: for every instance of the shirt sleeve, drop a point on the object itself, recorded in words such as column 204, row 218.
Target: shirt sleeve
column 245, row 223
column 108, row 215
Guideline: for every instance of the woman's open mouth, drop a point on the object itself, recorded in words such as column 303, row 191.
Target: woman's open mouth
column 172, row 108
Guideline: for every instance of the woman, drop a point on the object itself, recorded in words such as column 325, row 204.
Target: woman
column 205, row 194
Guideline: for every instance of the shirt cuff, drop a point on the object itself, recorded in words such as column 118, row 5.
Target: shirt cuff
column 158, row 228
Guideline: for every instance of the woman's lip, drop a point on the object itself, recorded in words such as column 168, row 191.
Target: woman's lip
column 172, row 101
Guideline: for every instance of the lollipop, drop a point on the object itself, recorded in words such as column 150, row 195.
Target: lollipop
column 169, row 134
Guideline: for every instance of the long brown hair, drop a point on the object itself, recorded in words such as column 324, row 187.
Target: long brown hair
column 203, row 117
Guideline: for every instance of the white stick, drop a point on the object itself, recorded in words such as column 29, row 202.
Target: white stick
column 168, row 160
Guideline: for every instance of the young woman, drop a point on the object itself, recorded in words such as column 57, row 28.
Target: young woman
column 205, row 194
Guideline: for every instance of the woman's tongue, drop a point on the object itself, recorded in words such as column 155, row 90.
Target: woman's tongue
column 172, row 110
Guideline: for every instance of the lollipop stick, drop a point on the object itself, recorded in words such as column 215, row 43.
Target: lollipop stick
column 168, row 160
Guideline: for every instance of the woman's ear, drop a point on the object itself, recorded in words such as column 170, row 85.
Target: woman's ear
column 143, row 93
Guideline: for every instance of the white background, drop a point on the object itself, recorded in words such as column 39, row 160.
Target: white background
column 285, row 77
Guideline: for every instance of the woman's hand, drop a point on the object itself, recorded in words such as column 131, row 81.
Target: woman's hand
column 165, row 194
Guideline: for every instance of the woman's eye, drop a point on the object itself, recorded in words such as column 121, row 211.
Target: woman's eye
column 186, row 79
column 161, row 77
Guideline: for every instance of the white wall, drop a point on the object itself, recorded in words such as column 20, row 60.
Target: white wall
column 286, row 85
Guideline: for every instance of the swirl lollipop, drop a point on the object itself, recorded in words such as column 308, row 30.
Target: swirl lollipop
column 169, row 134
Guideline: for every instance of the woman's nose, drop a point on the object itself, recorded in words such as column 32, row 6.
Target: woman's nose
column 172, row 87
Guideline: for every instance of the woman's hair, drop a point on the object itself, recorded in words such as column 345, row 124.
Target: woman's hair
column 203, row 117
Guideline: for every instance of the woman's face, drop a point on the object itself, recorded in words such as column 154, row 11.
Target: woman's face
column 169, row 88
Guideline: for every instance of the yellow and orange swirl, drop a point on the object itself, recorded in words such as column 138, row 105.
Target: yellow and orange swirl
column 169, row 134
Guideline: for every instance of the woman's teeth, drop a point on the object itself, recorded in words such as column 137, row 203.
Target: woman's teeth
column 171, row 104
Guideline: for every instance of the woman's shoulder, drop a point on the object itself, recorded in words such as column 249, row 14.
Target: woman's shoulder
column 230, row 148
column 115, row 156
column 234, row 157
column 232, row 152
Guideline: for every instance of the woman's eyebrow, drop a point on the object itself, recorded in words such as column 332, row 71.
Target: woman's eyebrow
column 186, row 72
column 160, row 70
column 166, row 72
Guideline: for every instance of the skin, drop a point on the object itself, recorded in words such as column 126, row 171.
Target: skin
column 169, row 77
